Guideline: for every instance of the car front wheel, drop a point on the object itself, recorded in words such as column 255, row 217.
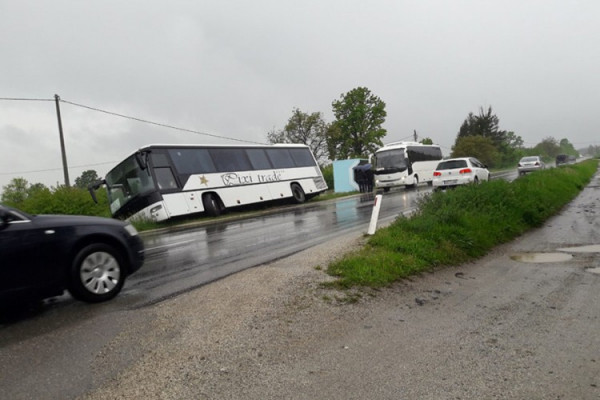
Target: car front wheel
column 97, row 273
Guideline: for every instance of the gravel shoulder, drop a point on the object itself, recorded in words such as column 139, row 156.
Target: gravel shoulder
column 496, row 328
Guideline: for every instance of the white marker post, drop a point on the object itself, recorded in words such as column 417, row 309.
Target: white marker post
column 375, row 215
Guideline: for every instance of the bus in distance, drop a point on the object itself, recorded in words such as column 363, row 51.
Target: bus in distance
column 405, row 164
column 158, row 182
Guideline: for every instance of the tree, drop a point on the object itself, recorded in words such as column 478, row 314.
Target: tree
column 508, row 145
column 511, row 150
column 548, row 148
column 485, row 124
column 87, row 178
column 567, row 148
column 426, row 141
column 479, row 147
column 308, row 129
column 15, row 192
column 357, row 130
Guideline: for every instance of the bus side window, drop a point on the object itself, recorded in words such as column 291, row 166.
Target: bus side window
column 280, row 158
column 258, row 159
column 165, row 178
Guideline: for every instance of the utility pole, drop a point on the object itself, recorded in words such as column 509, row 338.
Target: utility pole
column 62, row 142
column 415, row 135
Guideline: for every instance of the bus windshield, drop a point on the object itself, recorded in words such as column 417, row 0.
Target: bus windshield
column 391, row 161
column 126, row 181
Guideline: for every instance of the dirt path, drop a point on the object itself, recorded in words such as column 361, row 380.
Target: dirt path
column 497, row 328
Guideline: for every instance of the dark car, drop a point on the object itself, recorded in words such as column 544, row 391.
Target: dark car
column 42, row 255
column 561, row 159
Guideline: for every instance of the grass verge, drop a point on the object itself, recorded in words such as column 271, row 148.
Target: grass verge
column 461, row 225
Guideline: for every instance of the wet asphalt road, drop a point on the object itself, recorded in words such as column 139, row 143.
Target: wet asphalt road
column 55, row 344
column 46, row 352
column 180, row 261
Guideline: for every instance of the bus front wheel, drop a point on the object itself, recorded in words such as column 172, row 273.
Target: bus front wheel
column 415, row 183
column 212, row 206
column 298, row 193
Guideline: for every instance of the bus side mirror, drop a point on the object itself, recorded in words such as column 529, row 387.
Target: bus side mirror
column 95, row 186
column 142, row 159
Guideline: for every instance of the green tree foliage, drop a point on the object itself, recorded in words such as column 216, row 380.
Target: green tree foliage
column 38, row 199
column 308, row 129
column 507, row 144
column 485, row 124
column 479, row 147
column 593, row 151
column 357, row 130
column 327, row 172
column 567, row 148
column 87, row 178
column 548, row 148
column 15, row 192
column 67, row 200
column 427, row 141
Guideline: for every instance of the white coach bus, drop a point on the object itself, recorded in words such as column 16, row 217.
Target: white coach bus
column 159, row 182
column 405, row 164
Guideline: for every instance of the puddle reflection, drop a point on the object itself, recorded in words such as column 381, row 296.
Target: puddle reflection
column 541, row 257
column 593, row 248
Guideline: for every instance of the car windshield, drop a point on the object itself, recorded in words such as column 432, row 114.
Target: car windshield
column 126, row 181
column 391, row 160
column 452, row 164
column 529, row 159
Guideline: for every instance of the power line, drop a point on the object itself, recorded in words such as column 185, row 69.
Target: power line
column 132, row 118
column 156, row 123
column 23, row 99
column 57, row 169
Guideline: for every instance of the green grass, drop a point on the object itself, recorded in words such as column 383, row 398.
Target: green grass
column 461, row 225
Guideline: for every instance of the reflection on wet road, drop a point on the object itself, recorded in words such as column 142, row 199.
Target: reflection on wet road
column 179, row 261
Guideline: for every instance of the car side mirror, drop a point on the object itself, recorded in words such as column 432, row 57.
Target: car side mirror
column 3, row 219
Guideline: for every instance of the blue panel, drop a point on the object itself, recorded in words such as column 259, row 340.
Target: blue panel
column 343, row 176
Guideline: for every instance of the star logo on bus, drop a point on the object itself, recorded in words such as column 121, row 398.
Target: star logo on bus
column 203, row 180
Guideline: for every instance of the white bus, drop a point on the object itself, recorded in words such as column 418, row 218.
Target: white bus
column 159, row 182
column 405, row 164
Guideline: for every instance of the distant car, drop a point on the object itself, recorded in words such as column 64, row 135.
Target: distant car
column 459, row 171
column 561, row 159
column 42, row 255
column 530, row 164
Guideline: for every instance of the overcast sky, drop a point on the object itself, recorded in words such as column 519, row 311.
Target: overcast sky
column 237, row 69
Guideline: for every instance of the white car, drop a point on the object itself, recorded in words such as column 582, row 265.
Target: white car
column 530, row 164
column 459, row 171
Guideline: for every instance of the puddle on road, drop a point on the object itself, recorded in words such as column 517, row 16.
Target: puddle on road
column 541, row 257
column 594, row 270
column 593, row 248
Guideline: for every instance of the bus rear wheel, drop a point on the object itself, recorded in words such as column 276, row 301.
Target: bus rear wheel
column 298, row 193
column 212, row 204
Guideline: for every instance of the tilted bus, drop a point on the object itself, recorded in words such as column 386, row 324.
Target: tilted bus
column 159, row 182
column 405, row 164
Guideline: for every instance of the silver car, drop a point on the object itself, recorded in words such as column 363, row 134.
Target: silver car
column 529, row 164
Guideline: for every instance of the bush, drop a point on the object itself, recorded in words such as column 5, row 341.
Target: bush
column 327, row 172
column 65, row 200
column 462, row 224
